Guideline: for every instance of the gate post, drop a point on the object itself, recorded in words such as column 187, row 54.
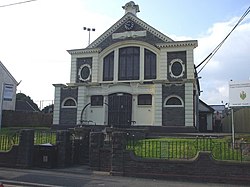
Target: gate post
column 80, row 152
column 63, row 148
column 96, row 142
column 118, row 147
column 25, row 148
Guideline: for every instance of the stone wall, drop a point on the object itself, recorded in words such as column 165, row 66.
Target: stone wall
column 202, row 168
column 26, row 119
column 21, row 155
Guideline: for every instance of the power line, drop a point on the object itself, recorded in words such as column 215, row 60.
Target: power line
column 207, row 59
column 17, row 3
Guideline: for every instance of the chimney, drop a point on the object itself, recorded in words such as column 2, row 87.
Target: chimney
column 131, row 7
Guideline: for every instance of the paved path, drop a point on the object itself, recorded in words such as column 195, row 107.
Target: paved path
column 82, row 176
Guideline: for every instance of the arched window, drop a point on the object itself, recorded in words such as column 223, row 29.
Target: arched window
column 149, row 64
column 69, row 103
column 129, row 63
column 173, row 101
column 108, row 67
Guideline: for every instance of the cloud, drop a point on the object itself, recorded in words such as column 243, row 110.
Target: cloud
column 34, row 39
column 231, row 62
column 35, row 36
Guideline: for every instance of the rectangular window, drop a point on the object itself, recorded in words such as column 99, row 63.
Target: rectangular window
column 145, row 99
column 96, row 100
column 129, row 63
column 149, row 64
column 108, row 67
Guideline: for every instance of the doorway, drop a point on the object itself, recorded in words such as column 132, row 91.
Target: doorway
column 202, row 122
column 119, row 110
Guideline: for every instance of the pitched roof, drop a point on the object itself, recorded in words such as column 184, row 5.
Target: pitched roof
column 8, row 73
column 113, row 33
column 203, row 107
column 132, row 17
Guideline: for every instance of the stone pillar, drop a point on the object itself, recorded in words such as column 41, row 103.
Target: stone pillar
column 81, row 145
column 25, row 148
column 96, row 142
column 63, row 148
column 118, row 148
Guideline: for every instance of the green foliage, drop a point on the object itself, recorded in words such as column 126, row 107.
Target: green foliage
column 10, row 137
column 48, row 109
column 8, row 140
column 187, row 148
column 44, row 137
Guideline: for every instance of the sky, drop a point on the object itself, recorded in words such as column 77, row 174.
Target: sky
column 34, row 38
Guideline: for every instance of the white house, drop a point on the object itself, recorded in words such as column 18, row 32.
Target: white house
column 131, row 74
column 8, row 86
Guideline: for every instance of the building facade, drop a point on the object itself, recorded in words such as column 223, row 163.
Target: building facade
column 8, row 86
column 131, row 75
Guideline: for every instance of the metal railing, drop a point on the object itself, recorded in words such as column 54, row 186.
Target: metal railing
column 188, row 148
column 7, row 141
column 44, row 137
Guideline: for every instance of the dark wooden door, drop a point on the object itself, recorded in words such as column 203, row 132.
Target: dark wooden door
column 119, row 109
column 202, row 122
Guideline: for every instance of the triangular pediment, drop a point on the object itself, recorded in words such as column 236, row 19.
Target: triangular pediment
column 129, row 27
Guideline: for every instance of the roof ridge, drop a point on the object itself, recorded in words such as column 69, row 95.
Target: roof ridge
column 7, row 71
column 121, row 21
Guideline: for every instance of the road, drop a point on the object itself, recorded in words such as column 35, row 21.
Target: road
column 76, row 177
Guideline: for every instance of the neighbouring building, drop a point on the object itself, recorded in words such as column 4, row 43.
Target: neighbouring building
column 131, row 74
column 8, row 86
column 206, row 113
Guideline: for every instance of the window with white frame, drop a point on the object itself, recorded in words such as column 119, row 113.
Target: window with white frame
column 69, row 103
column 108, row 67
column 96, row 100
column 145, row 99
column 129, row 63
column 173, row 101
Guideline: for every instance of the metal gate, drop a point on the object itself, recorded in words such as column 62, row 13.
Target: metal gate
column 80, row 146
column 120, row 109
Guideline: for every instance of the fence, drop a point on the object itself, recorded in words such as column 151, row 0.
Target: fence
column 43, row 137
column 40, row 137
column 188, row 148
column 7, row 141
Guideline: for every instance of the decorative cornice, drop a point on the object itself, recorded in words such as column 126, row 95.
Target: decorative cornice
column 129, row 16
column 193, row 43
column 129, row 34
column 86, row 50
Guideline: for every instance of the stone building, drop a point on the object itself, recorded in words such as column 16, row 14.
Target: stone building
column 131, row 75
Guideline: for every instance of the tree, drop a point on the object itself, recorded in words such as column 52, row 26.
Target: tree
column 48, row 109
column 27, row 99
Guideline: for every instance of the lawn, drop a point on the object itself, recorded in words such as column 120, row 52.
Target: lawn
column 10, row 137
column 187, row 148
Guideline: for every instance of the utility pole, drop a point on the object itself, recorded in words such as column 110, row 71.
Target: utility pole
column 89, row 30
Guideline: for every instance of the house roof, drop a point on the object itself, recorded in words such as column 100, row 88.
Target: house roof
column 218, row 107
column 203, row 107
column 24, row 106
column 117, row 33
column 8, row 73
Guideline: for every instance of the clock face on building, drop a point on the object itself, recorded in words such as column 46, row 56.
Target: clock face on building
column 129, row 25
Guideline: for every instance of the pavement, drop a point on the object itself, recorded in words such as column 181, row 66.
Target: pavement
column 83, row 176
